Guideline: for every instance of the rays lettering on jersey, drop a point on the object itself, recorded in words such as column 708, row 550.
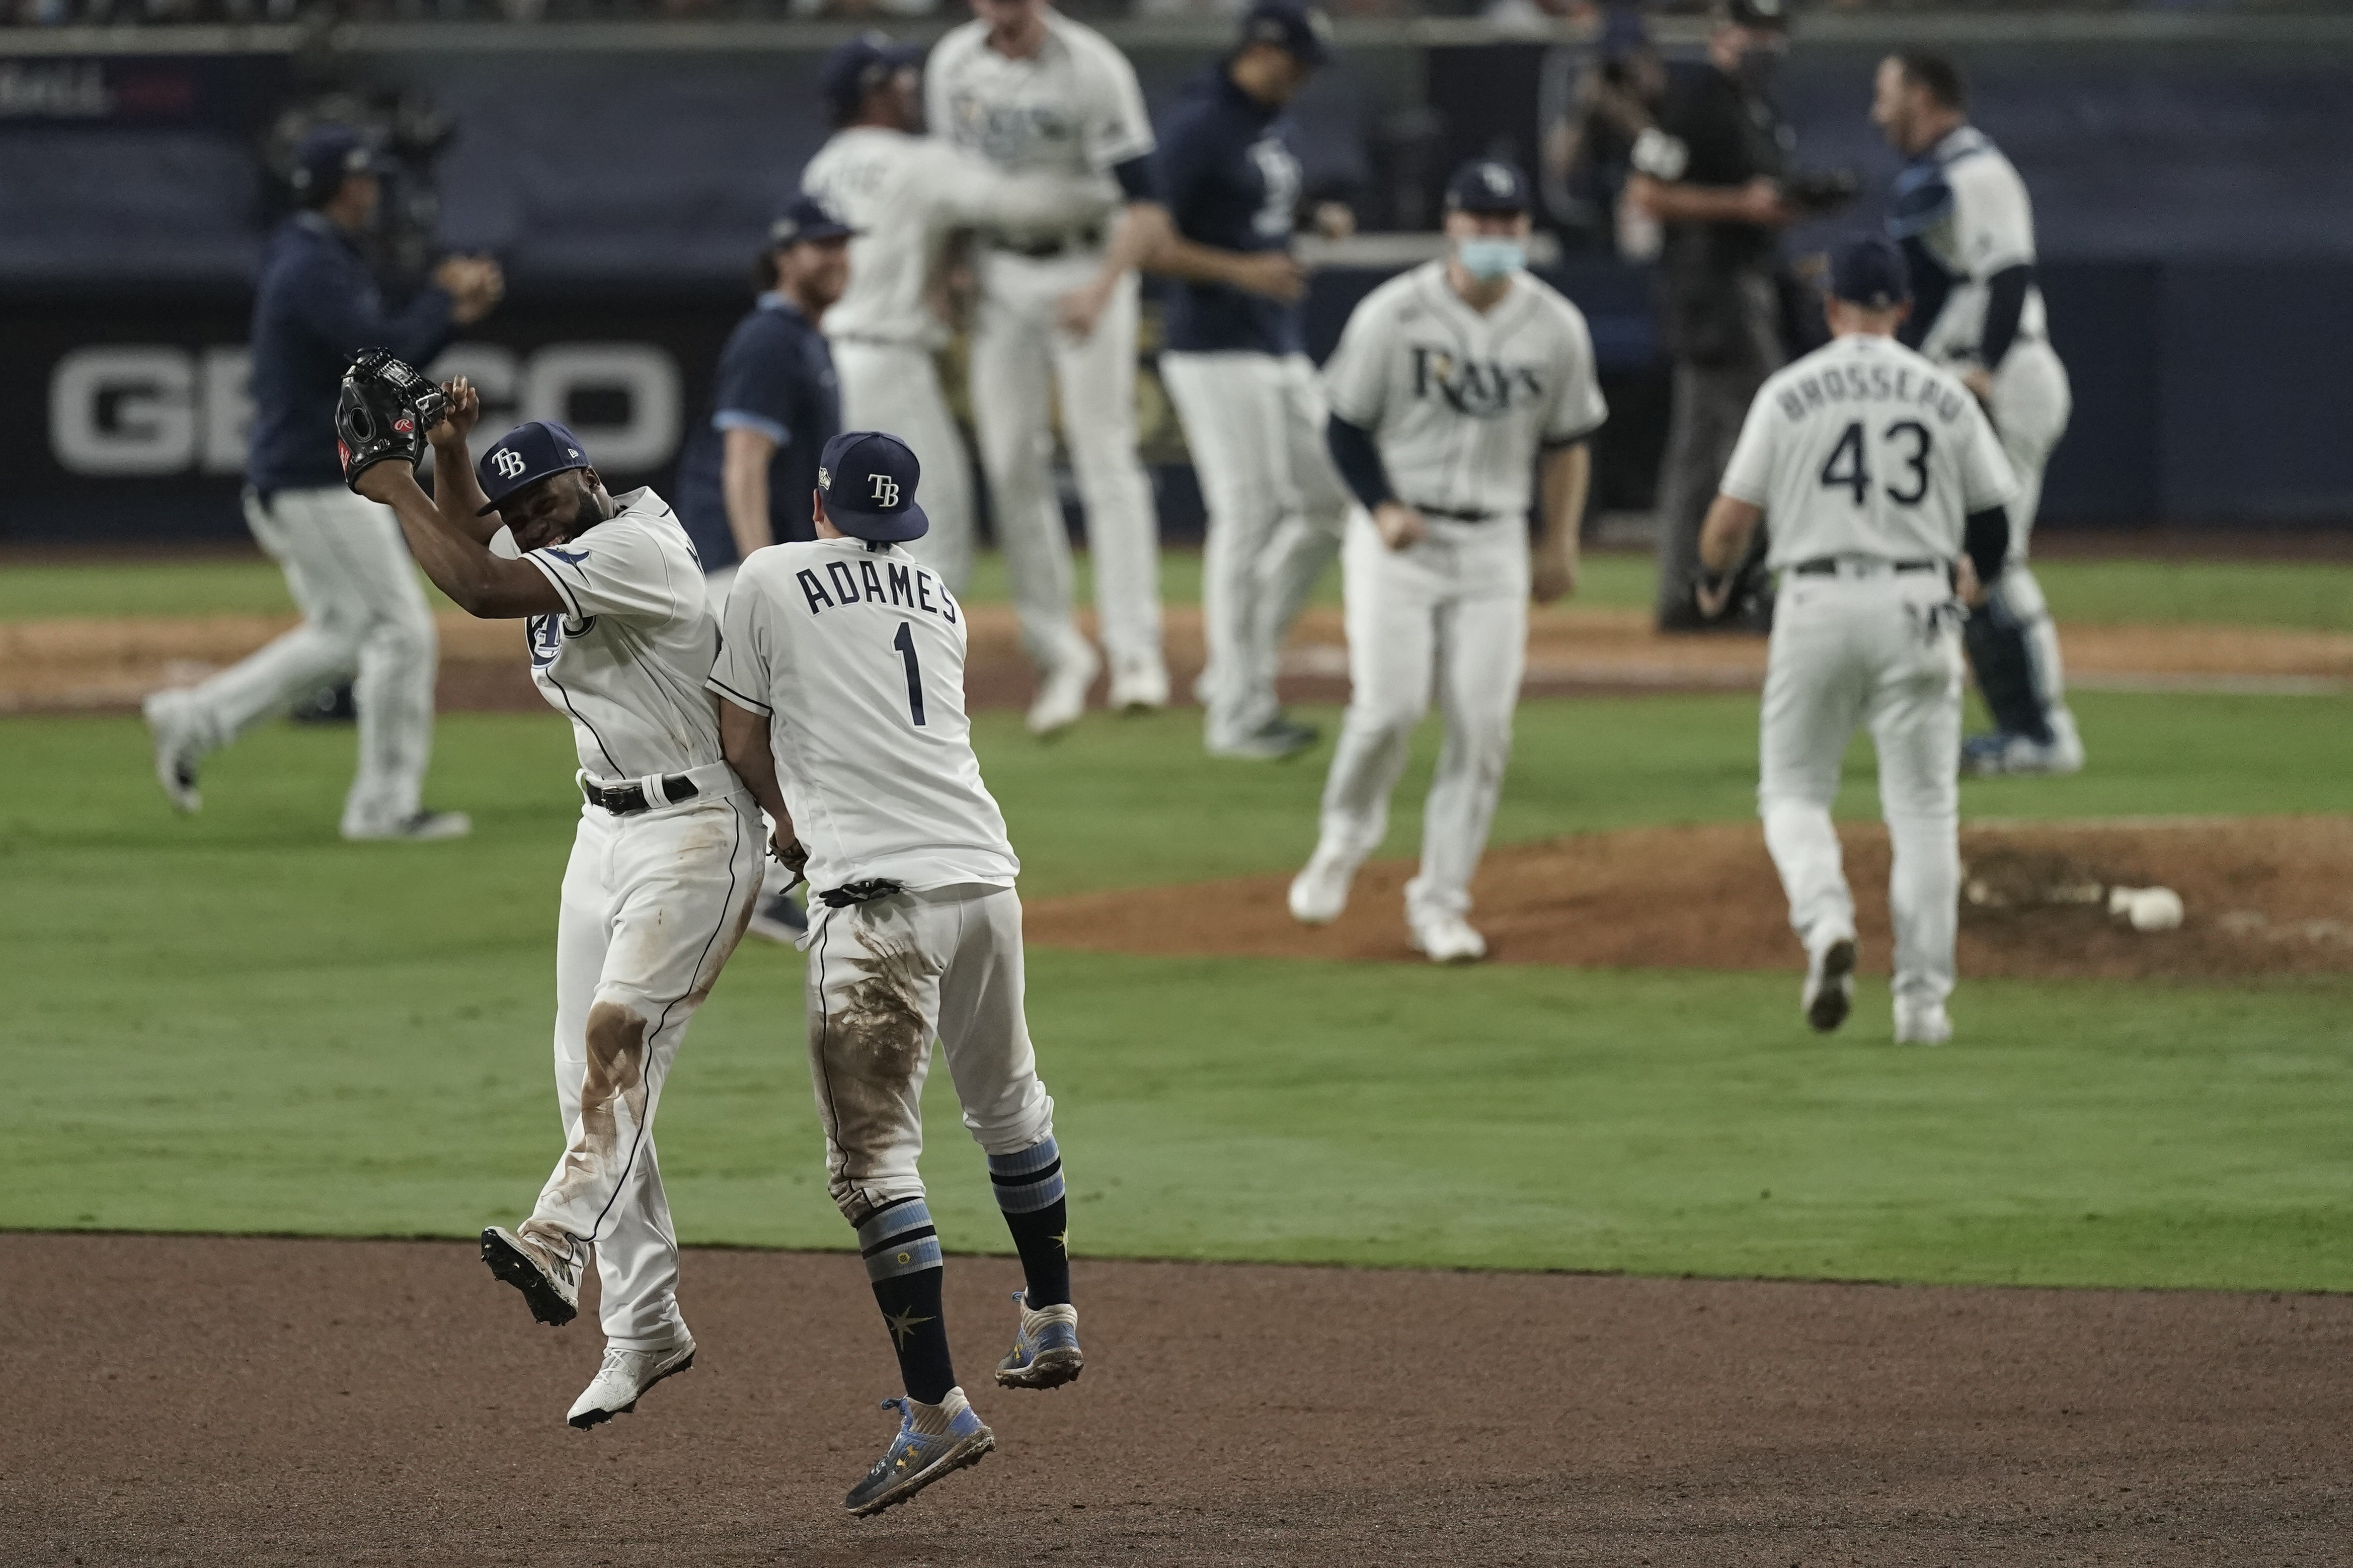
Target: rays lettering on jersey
column 1005, row 130
column 899, row 583
column 1479, row 389
column 1873, row 383
column 1278, row 171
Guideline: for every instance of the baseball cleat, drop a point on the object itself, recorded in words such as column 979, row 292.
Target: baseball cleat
column 1320, row 892
column 1272, row 741
column 1923, row 1025
column 624, row 1379
column 1062, row 691
column 549, row 1283
column 1448, row 939
column 1829, row 994
column 932, row 1440
column 1045, row 1351
column 778, row 919
column 416, row 828
column 1983, row 756
column 175, row 748
column 1139, row 688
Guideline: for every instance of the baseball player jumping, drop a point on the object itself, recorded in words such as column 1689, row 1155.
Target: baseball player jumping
column 1968, row 230
column 905, row 194
column 1885, row 489
column 841, row 686
column 1448, row 382
column 667, row 858
column 1036, row 92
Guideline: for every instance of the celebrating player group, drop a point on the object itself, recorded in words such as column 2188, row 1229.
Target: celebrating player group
column 766, row 687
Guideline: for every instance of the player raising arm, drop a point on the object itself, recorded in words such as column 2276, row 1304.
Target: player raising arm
column 1447, row 384
column 841, row 688
column 667, row 857
column 1885, row 489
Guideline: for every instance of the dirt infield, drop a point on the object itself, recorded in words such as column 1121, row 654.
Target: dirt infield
column 190, row 1400
column 108, row 664
column 2262, row 896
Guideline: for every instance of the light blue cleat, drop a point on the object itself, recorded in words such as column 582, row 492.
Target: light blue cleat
column 1045, row 1351
column 932, row 1440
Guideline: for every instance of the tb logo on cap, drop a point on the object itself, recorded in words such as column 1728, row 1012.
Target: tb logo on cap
column 507, row 461
column 886, row 489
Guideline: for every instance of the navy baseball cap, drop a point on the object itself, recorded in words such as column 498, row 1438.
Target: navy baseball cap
column 328, row 152
column 1488, row 185
column 869, row 481
column 860, row 66
column 1303, row 31
column 1869, row 269
column 804, row 219
column 524, row 456
column 1768, row 14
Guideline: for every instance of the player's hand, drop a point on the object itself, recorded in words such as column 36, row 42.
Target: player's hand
column 1077, row 311
column 1335, row 220
column 1275, row 274
column 464, row 411
column 1760, row 202
column 474, row 284
column 1713, row 602
column 1979, row 381
column 380, row 411
column 790, row 852
column 1553, row 578
column 1966, row 585
column 1401, row 526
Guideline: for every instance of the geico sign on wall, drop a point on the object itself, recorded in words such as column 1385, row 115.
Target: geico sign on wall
column 136, row 410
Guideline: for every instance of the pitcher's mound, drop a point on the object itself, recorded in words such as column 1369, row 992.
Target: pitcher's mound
column 2262, row 896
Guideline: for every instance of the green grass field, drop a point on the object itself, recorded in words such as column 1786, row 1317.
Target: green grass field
column 239, row 1023
column 2314, row 595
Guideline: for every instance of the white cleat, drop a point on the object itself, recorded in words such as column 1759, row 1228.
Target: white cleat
column 1829, row 994
column 624, row 1378
column 550, row 1285
column 1139, row 688
column 1448, row 939
column 416, row 828
column 1320, row 892
column 166, row 713
column 1922, row 1025
column 1062, row 691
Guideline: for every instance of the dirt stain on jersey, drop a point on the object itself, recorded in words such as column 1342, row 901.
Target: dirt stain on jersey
column 616, row 1076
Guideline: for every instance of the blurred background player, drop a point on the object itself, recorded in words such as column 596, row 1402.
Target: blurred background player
column 1447, row 382
column 1036, row 92
column 1882, row 495
column 1710, row 174
column 1235, row 367
column 749, row 471
column 905, row 194
column 1968, row 230
column 664, row 864
column 840, row 694
column 363, row 615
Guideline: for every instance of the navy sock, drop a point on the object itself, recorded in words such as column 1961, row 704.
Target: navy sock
column 1030, row 1190
column 903, row 1260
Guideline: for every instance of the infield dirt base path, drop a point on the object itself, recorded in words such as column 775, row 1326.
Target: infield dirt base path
column 196, row 1400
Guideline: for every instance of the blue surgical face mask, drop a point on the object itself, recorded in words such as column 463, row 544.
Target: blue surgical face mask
column 1488, row 258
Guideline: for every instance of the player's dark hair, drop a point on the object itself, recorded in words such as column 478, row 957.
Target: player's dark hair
column 1936, row 76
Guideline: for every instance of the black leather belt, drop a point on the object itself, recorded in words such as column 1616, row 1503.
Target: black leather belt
column 1049, row 247
column 1455, row 514
column 1828, row 565
column 851, row 893
column 630, row 799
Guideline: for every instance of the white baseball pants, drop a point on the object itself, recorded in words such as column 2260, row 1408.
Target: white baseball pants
column 1451, row 613
column 363, row 615
column 1254, row 424
column 653, row 905
column 2030, row 406
column 895, row 387
column 1019, row 359
column 885, row 980
column 1880, row 648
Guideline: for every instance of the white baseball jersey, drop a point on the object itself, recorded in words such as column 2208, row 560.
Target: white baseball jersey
column 856, row 656
column 1072, row 108
column 905, row 194
column 1983, row 225
column 628, row 658
column 1458, row 400
column 1865, row 447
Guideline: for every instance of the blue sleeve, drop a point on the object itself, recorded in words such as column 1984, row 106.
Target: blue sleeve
column 2005, row 304
column 338, row 306
column 757, row 384
column 1358, row 458
column 1139, row 178
column 1186, row 158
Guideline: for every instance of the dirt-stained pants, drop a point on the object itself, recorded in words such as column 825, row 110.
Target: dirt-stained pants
column 885, row 980
column 653, row 905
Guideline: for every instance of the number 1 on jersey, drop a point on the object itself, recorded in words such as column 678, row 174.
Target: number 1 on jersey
column 905, row 643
